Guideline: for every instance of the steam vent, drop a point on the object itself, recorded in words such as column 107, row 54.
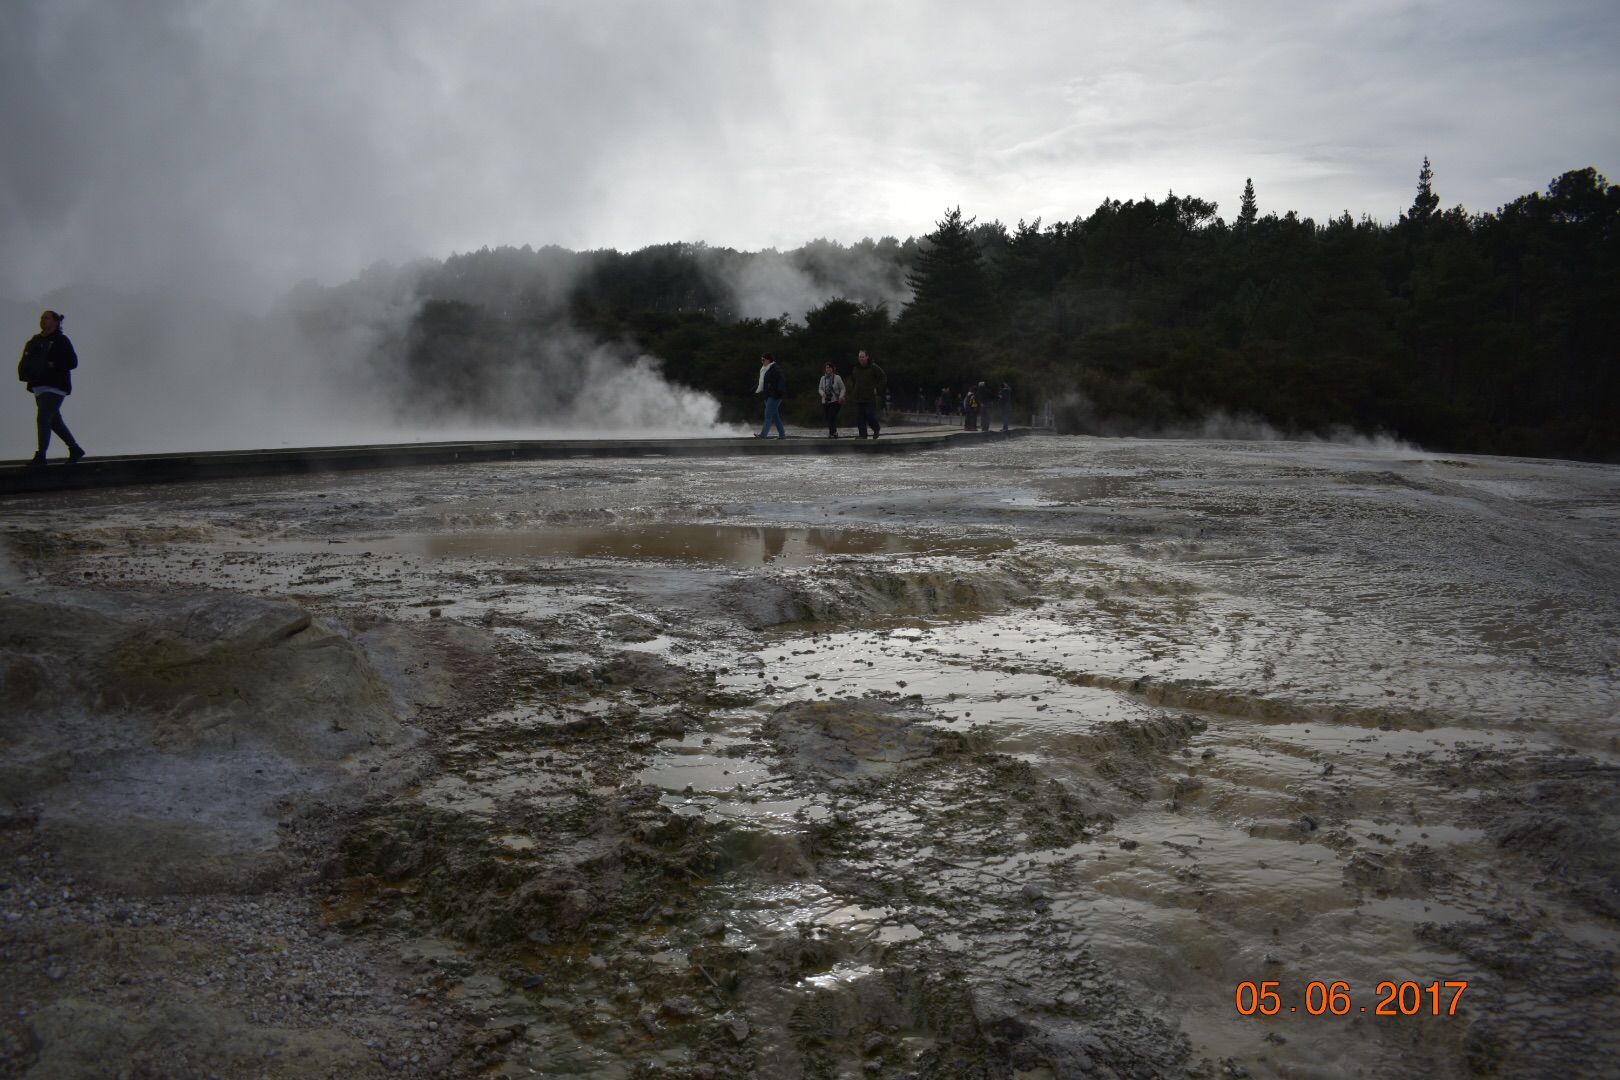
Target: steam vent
column 941, row 755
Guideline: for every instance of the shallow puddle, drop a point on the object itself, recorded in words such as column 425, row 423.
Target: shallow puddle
column 687, row 768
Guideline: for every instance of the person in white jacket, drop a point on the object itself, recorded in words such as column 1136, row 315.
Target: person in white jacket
column 832, row 397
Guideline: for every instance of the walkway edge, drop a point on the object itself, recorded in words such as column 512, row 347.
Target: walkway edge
column 18, row 478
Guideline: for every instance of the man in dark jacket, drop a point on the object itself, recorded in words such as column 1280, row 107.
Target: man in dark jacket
column 773, row 384
column 865, row 387
column 45, row 367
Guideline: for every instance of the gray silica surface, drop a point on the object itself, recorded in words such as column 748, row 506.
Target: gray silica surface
column 1011, row 760
column 730, row 545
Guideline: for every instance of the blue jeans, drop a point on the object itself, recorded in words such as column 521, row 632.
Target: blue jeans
column 49, row 419
column 773, row 415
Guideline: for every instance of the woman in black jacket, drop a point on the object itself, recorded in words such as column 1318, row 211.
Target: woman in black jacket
column 47, row 362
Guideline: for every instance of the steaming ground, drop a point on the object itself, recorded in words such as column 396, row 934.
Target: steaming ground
column 1005, row 760
column 161, row 373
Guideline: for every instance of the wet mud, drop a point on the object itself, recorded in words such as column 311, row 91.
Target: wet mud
column 1013, row 761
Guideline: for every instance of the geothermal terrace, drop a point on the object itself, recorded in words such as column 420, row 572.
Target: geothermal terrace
column 1015, row 757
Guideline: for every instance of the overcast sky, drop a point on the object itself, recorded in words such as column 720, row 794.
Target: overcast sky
column 239, row 146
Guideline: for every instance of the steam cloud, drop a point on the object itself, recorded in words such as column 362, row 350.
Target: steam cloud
column 771, row 283
column 162, row 373
column 1075, row 413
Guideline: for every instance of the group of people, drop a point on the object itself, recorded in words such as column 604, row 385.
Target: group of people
column 973, row 405
column 867, row 389
column 977, row 401
column 46, row 370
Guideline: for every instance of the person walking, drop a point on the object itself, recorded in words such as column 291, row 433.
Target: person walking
column 45, row 367
column 970, row 409
column 773, row 384
column 1006, row 406
column 984, row 406
column 867, row 385
column 832, row 397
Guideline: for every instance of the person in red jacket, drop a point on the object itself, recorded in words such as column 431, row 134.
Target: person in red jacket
column 45, row 368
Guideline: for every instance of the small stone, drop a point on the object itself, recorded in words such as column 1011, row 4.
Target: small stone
column 55, row 973
column 434, row 613
column 703, row 1071
column 873, row 1043
column 1129, row 845
column 738, row 1028
column 680, row 1006
column 1033, row 893
column 874, row 1066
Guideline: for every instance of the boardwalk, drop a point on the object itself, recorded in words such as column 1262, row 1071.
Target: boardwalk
column 100, row 472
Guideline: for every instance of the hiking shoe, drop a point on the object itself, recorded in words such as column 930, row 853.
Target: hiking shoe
column 75, row 454
column 38, row 458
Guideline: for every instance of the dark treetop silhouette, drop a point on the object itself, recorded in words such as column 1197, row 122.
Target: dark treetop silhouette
column 1490, row 332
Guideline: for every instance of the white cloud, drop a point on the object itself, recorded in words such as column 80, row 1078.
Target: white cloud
column 241, row 147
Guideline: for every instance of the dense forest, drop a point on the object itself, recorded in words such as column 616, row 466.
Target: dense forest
column 1491, row 332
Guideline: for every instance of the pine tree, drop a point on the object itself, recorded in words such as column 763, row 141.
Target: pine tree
column 948, row 276
column 1024, row 264
column 1250, row 212
column 1427, row 202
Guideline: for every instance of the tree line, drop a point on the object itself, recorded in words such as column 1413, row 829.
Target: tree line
column 1476, row 332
